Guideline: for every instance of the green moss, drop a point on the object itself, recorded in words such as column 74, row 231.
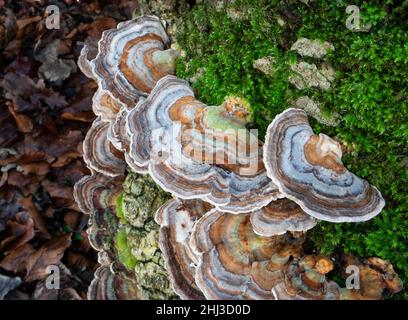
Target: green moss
column 124, row 250
column 370, row 93
column 119, row 210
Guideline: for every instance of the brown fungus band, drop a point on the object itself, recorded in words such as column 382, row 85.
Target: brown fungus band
column 280, row 216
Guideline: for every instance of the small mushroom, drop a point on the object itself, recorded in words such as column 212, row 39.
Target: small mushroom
column 132, row 57
column 233, row 261
column 308, row 170
column 99, row 154
column 198, row 151
column 280, row 216
column 305, row 280
column 176, row 219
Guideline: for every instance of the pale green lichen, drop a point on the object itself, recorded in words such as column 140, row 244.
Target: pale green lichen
column 141, row 199
column 153, row 281
column 144, row 242
column 166, row 60
column 215, row 118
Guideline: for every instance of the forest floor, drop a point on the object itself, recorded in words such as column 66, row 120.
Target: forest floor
column 45, row 112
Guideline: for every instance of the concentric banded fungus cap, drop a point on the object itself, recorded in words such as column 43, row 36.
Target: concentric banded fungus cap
column 280, row 216
column 308, row 170
column 132, row 58
column 176, row 219
column 103, row 223
column 99, row 153
column 236, row 263
column 191, row 149
column 376, row 277
column 305, row 280
column 109, row 286
column 84, row 190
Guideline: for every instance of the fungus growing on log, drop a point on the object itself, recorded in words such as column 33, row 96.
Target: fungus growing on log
column 233, row 261
column 280, row 216
column 308, row 170
column 120, row 139
column 99, row 153
column 305, row 279
column 176, row 219
column 198, row 151
column 103, row 223
column 122, row 229
column 132, row 57
column 112, row 281
column 250, row 246
column 126, row 65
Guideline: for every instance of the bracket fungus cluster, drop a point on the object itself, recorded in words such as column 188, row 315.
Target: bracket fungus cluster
column 197, row 151
column 236, row 225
